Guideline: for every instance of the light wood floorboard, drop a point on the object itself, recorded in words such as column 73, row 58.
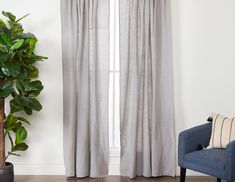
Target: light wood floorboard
column 109, row 179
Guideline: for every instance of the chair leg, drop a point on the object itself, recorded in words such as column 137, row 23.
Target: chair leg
column 218, row 180
column 182, row 174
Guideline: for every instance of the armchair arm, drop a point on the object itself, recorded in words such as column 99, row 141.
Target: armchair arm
column 190, row 139
column 230, row 165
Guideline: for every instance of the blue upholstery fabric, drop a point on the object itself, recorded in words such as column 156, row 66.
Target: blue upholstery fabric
column 190, row 139
column 230, row 153
column 216, row 162
column 211, row 158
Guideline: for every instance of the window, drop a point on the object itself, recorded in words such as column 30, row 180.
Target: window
column 114, row 75
column 114, row 91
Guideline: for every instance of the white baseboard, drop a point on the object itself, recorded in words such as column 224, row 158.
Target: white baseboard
column 43, row 169
column 39, row 169
column 114, row 163
column 58, row 169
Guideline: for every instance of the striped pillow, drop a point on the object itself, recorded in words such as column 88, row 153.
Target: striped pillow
column 223, row 131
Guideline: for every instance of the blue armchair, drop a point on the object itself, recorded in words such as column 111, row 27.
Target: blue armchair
column 215, row 162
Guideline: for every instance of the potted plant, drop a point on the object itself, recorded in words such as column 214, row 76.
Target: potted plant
column 18, row 83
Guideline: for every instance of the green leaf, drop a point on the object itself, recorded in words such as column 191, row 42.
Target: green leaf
column 9, row 15
column 20, row 85
column 30, row 59
column 10, row 69
column 20, row 135
column 6, row 30
column 29, row 88
column 21, row 18
column 11, row 123
column 10, row 120
column 25, row 35
column 7, row 89
column 14, row 127
column 1, row 74
column 20, row 147
column 28, row 103
column 5, row 39
column 14, row 106
column 28, row 111
column 15, row 27
column 23, row 74
column 34, row 104
column 23, row 120
column 17, row 44
column 36, row 57
column 32, row 45
column 33, row 72
column 2, row 23
column 24, row 47
column 3, row 57
column 34, row 88
column 14, row 123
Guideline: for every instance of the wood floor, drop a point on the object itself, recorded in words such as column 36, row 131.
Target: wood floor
column 109, row 179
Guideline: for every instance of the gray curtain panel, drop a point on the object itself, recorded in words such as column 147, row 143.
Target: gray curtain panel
column 147, row 127
column 85, row 37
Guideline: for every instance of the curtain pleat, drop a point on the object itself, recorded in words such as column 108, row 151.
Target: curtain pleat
column 85, row 44
column 147, row 127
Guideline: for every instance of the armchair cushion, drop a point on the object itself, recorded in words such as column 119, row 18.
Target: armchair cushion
column 210, row 158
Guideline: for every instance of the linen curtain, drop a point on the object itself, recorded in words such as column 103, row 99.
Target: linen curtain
column 147, row 128
column 85, row 42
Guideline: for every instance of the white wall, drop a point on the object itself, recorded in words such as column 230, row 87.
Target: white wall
column 204, row 60
column 45, row 155
column 204, row 79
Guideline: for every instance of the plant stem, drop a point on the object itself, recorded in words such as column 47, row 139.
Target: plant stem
column 2, row 137
column 11, row 141
column 7, row 156
column 11, row 153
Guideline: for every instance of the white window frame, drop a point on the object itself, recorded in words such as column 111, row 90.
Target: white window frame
column 114, row 74
column 114, row 90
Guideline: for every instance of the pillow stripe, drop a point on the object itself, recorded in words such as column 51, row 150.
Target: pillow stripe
column 213, row 135
column 231, row 127
column 221, row 132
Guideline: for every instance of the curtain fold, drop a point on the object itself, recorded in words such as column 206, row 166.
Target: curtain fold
column 147, row 127
column 85, row 45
